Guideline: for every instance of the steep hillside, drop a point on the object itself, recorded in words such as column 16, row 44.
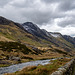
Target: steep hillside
column 31, row 34
column 69, row 38
column 21, row 43
column 11, row 31
column 55, row 39
column 34, row 29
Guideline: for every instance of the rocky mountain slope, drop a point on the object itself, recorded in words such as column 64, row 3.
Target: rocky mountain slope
column 70, row 39
column 30, row 33
column 11, row 31
column 28, row 42
column 56, row 39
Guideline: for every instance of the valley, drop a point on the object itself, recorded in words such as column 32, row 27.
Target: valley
column 20, row 43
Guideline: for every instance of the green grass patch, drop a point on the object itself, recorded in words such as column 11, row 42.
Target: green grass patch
column 10, row 46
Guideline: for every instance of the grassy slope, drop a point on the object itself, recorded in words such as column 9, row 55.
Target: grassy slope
column 66, row 42
column 11, row 46
column 15, row 49
column 9, row 50
column 13, row 33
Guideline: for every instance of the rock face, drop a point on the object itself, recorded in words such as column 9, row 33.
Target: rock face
column 33, row 29
column 67, row 69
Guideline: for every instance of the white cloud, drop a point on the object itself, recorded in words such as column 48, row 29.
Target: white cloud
column 68, row 30
column 54, row 15
column 65, row 31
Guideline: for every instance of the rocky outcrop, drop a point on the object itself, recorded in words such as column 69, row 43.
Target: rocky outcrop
column 66, row 69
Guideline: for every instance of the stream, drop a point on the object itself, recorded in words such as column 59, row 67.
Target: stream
column 17, row 67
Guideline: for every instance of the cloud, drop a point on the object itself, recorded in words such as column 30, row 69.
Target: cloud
column 4, row 2
column 67, row 21
column 69, row 30
column 51, row 1
column 53, row 15
column 67, row 5
column 23, row 3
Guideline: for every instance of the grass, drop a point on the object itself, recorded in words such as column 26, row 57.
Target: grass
column 4, row 65
column 62, row 52
column 16, row 49
column 42, row 69
column 66, row 42
column 9, row 46
column 12, row 32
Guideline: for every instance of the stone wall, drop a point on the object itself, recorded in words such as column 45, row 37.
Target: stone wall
column 67, row 69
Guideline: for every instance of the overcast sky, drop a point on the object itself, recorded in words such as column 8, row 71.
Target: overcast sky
column 52, row 15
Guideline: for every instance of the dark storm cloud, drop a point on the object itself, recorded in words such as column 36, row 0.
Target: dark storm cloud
column 23, row 3
column 38, row 16
column 58, row 14
column 67, row 21
column 64, row 5
column 67, row 5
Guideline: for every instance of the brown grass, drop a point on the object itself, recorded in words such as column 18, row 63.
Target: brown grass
column 42, row 70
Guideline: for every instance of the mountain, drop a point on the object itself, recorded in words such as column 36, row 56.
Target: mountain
column 25, row 42
column 16, row 43
column 4, row 21
column 69, row 39
column 33, row 29
column 54, row 38
column 12, row 31
column 30, row 33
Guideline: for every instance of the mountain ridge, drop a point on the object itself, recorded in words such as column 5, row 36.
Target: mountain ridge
column 32, row 43
column 32, row 32
column 54, row 37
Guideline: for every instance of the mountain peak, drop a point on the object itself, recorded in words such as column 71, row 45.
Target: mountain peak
column 28, row 23
column 33, row 29
column 30, row 26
